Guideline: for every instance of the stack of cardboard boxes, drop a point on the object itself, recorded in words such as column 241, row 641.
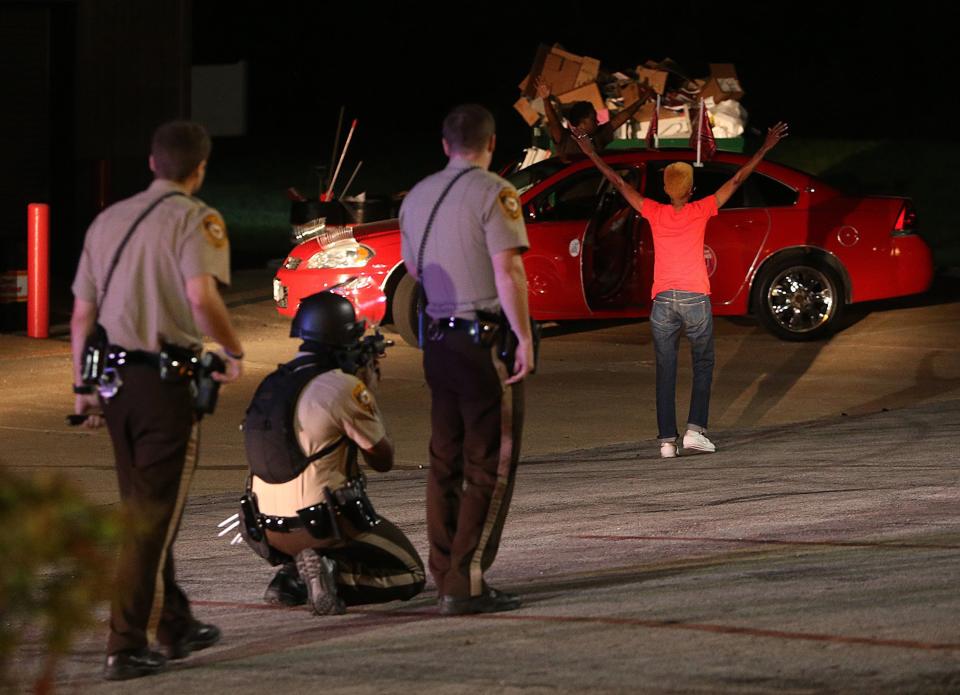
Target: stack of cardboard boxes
column 574, row 78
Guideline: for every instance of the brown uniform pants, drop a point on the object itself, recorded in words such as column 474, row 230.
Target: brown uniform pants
column 150, row 423
column 373, row 566
column 476, row 422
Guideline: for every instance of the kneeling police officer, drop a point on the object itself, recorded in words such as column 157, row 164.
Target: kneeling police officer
column 306, row 505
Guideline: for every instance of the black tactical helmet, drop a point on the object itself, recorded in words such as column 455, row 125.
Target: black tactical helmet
column 329, row 319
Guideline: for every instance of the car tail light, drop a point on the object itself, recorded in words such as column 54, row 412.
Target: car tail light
column 906, row 221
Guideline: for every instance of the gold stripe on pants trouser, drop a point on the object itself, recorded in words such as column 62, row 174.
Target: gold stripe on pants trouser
column 503, row 479
column 189, row 466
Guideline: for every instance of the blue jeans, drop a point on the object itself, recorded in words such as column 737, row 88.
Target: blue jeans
column 691, row 311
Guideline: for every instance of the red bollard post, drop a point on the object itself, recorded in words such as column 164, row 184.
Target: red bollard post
column 38, row 270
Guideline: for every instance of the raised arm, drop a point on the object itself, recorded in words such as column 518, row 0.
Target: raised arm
column 630, row 194
column 774, row 135
column 553, row 120
column 624, row 115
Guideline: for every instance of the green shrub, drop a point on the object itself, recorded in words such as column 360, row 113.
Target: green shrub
column 56, row 551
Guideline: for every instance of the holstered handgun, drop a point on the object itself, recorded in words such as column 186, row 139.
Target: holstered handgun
column 254, row 534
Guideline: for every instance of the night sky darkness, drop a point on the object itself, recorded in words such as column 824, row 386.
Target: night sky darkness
column 846, row 70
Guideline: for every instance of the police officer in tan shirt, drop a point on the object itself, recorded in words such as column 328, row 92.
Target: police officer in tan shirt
column 462, row 238
column 163, row 294
column 308, row 424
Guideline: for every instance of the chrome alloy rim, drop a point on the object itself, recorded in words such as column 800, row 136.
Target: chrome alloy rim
column 801, row 299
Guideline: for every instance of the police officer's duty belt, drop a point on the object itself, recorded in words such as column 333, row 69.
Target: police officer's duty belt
column 349, row 502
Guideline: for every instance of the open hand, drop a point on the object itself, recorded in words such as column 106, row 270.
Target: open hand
column 775, row 134
column 543, row 89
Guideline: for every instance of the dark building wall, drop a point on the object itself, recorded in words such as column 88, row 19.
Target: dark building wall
column 85, row 82
column 133, row 73
column 36, row 126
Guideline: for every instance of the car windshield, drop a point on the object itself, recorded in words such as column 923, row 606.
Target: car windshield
column 525, row 179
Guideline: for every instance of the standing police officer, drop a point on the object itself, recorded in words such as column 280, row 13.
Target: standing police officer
column 149, row 276
column 463, row 236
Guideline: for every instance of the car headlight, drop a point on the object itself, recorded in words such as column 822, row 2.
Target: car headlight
column 344, row 255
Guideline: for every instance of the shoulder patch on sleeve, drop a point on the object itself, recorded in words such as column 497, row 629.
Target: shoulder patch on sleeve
column 363, row 398
column 509, row 203
column 214, row 230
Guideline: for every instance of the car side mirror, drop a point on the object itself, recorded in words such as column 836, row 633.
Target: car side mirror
column 531, row 212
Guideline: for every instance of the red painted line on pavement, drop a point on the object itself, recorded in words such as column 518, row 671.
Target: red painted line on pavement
column 774, row 541
column 630, row 622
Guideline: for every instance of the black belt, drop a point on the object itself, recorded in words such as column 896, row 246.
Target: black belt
column 121, row 357
column 281, row 524
column 483, row 328
column 343, row 499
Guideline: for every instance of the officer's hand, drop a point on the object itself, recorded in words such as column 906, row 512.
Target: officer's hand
column 234, row 369
column 369, row 374
column 89, row 405
column 523, row 364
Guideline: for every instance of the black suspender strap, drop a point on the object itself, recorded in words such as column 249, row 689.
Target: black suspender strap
column 329, row 449
column 126, row 238
column 433, row 214
column 422, row 294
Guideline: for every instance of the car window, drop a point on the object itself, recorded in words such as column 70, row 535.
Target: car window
column 706, row 181
column 573, row 198
column 770, row 193
column 612, row 199
column 525, row 179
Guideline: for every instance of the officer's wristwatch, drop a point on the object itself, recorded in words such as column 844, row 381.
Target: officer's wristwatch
column 83, row 389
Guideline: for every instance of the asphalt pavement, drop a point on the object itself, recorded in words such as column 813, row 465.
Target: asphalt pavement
column 817, row 551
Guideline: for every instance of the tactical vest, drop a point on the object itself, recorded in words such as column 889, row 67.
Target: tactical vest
column 273, row 452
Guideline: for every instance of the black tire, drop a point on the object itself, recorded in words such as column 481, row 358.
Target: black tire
column 799, row 298
column 403, row 308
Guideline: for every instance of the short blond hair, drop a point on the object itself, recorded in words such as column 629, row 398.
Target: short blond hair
column 678, row 180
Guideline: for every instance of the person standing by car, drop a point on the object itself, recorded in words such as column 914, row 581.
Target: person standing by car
column 681, row 286
column 149, row 275
column 583, row 116
column 462, row 236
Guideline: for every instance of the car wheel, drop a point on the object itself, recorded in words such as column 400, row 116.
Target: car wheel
column 800, row 299
column 403, row 307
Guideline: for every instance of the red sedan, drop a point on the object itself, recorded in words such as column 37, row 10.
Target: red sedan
column 787, row 248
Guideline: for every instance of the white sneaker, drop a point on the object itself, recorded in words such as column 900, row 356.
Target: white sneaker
column 668, row 450
column 698, row 443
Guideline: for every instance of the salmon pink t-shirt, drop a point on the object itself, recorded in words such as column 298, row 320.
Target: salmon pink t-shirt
column 678, row 244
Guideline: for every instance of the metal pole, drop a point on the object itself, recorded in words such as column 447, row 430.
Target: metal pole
column 699, row 134
column 336, row 146
column 38, row 270
column 350, row 182
column 656, row 133
column 328, row 196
